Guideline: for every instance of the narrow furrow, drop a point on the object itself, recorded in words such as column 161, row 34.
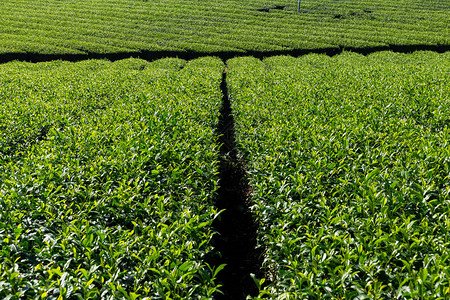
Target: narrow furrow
column 236, row 238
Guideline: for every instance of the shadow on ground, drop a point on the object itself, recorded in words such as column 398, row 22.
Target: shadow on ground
column 154, row 55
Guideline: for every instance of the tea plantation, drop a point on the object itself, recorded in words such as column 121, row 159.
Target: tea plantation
column 186, row 149
column 108, row 175
column 203, row 26
column 349, row 159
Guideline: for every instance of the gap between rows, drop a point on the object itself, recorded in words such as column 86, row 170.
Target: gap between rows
column 224, row 55
column 235, row 242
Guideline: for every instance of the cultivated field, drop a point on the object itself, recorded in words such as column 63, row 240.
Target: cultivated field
column 224, row 161
column 349, row 159
column 108, row 174
column 114, row 26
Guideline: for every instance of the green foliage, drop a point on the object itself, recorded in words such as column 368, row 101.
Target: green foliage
column 349, row 159
column 108, row 26
column 108, row 172
column 114, row 201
